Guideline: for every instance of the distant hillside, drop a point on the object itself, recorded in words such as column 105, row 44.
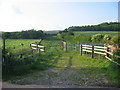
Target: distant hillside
column 52, row 32
column 111, row 26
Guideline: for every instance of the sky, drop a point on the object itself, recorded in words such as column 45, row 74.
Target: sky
column 17, row 15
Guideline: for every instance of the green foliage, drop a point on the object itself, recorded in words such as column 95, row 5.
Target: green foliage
column 106, row 38
column 111, row 33
column 28, row 34
column 65, row 36
column 83, row 38
column 112, row 26
column 115, row 41
column 14, row 66
column 97, row 38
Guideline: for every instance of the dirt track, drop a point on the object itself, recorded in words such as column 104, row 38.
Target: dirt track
column 7, row 85
column 67, row 76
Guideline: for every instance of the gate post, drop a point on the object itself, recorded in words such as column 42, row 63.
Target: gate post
column 107, row 50
column 65, row 46
column 81, row 49
column 92, row 51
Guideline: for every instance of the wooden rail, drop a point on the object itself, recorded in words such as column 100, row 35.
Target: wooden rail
column 34, row 47
column 93, row 49
column 107, row 51
column 37, row 47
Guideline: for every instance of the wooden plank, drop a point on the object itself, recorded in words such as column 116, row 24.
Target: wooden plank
column 42, row 50
column 34, row 48
column 87, row 45
column 108, row 58
column 41, row 46
column 110, row 53
column 87, row 50
column 23, row 52
column 29, row 56
column 111, row 60
column 39, row 41
column 100, row 53
column 100, row 47
column 33, row 45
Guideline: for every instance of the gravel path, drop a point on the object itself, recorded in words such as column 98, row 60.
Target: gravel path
column 56, row 78
column 8, row 85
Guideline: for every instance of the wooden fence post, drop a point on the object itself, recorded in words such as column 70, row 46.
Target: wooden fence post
column 4, row 51
column 44, row 49
column 81, row 49
column 21, row 55
column 65, row 46
column 38, row 50
column 92, row 51
column 32, row 52
column 107, row 50
column 30, row 46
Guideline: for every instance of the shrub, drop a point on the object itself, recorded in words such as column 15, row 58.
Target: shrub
column 106, row 38
column 116, row 41
column 97, row 38
column 82, row 38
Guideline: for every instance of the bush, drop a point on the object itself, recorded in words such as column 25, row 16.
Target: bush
column 106, row 38
column 14, row 66
column 116, row 41
column 97, row 38
column 65, row 36
column 83, row 38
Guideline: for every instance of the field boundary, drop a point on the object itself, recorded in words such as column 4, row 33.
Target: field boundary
column 107, row 51
column 33, row 46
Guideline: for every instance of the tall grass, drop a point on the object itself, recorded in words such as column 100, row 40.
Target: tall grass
column 114, row 69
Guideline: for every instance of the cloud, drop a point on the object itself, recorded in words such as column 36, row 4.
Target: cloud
column 17, row 10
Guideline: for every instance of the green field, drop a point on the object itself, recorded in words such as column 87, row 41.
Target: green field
column 96, row 32
column 18, row 45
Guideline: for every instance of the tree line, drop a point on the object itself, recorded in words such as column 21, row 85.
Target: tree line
column 37, row 34
column 28, row 34
column 111, row 26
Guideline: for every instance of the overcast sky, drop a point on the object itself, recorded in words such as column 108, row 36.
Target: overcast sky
column 17, row 15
